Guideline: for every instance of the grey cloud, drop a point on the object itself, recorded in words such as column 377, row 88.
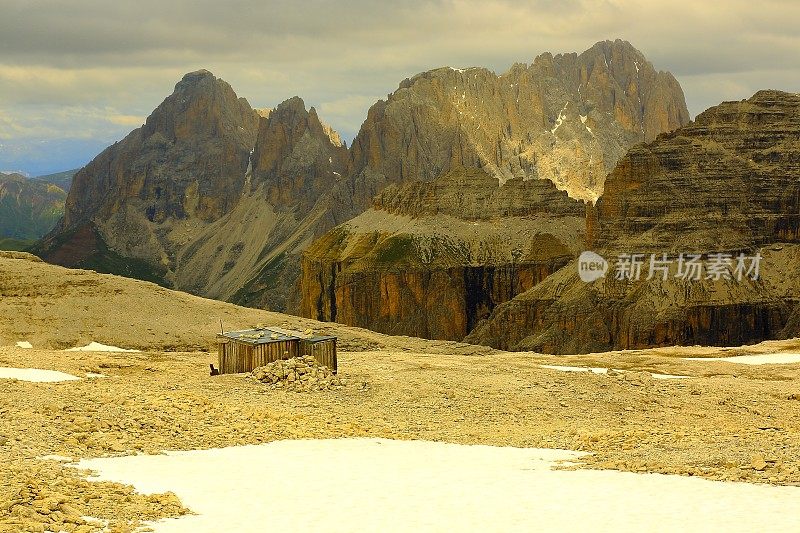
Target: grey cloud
column 127, row 56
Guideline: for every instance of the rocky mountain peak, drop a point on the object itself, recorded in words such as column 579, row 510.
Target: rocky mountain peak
column 220, row 199
column 454, row 150
column 291, row 106
column 293, row 114
column 297, row 156
column 187, row 162
column 618, row 49
column 196, row 77
column 331, row 133
column 204, row 105
column 567, row 118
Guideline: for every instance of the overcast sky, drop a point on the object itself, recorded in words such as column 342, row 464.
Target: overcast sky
column 78, row 75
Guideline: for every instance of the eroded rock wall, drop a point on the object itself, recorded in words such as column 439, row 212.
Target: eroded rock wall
column 729, row 182
column 432, row 259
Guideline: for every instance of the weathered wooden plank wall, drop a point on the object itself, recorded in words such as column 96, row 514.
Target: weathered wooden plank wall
column 324, row 352
column 238, row 357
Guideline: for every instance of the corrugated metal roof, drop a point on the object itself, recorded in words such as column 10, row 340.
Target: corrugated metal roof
column 266, row 335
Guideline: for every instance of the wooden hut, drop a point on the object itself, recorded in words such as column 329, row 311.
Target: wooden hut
column 242, row 351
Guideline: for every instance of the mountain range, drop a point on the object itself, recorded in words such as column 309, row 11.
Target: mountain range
column 30, row 207
column 219, row 199
column 63, row 180
column 459, row 209
column 723, row 186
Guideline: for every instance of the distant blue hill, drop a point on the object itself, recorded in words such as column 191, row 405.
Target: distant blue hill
column 62, row 179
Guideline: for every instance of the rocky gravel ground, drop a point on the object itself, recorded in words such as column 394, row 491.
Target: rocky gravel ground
column 725, row 422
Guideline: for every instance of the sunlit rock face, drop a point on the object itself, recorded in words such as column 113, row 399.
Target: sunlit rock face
column 431, row 259
column 727, row 183
column 567, row 118
column 559, row 124
column 204, row 196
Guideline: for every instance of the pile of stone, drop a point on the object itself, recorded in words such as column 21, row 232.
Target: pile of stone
column 298, row 374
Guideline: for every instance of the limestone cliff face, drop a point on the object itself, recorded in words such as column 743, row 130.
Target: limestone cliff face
column 559, row 124
column 251, row 255
column 729, row 182
column 565, row 315
column 186, row 163
column 205, row 195
column 431, row 259
column 298, row 157
column 567, row 118
column 186, row 160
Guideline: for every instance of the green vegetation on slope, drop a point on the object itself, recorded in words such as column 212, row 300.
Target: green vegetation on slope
column 84, row 247
column 396, row 249
column 15, row 245
column 107, row 261
column 29, row 208
column 59, row 179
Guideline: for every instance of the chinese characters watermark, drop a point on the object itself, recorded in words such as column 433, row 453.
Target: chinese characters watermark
column 687, row 267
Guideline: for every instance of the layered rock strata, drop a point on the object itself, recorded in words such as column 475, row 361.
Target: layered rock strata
column 727, row 183
column 432, row 259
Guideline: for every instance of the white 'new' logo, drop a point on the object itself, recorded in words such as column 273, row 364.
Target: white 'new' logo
column 591, row 266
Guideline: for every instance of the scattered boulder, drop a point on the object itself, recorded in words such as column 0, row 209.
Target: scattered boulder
column 757, row 462
column 298, row 374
